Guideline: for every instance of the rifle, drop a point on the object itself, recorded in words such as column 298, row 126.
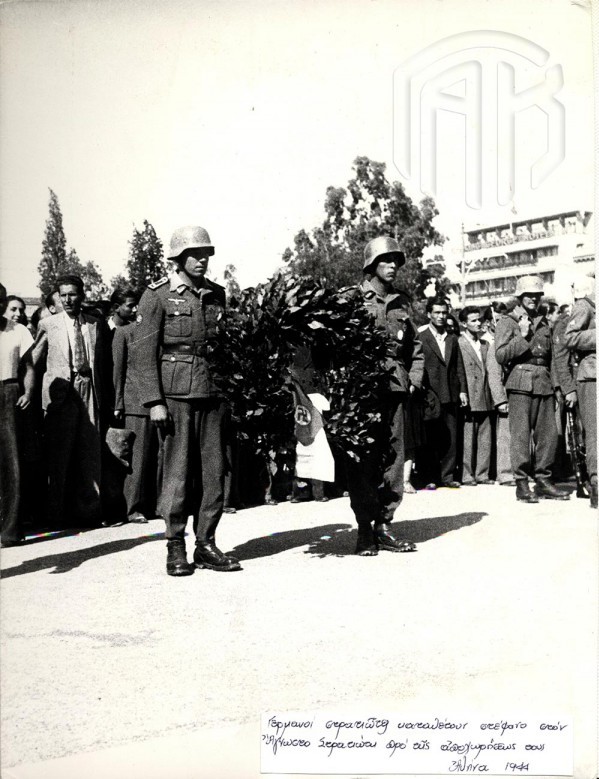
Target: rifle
column 578, row 454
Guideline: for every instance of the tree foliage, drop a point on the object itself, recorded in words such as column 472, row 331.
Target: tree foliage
column 253, row 349
column 146, row 258
column 367, row 207
column 57, row 260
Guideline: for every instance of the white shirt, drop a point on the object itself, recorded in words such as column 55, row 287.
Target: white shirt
column 475, row 344
column 15, row 339
column 439, row 338
column 84, row 332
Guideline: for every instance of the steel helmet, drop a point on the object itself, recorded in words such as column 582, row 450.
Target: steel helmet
column 380, row 246
column 189, row 238
column 530, row 284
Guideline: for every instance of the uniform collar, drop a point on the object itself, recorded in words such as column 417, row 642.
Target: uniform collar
column 370, row 292
column 178, row 283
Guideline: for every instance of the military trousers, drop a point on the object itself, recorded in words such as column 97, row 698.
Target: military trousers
column 193, row 467
column 587, row 404
column 477, row 446
column 532, row 421
column 503, row 444
column 375, row 483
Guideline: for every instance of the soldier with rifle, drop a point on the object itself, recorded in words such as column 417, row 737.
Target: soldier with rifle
column 581, row 339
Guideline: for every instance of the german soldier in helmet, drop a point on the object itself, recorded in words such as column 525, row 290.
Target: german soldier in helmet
column 177, row 315
column 374, row 494
column 523, row 347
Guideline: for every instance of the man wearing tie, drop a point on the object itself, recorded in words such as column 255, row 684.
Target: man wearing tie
column 69, row 352
column 445, row 370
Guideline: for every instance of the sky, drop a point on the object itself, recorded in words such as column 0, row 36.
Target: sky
column 238, row 115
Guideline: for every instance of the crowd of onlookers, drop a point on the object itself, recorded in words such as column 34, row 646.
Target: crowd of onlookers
column 79, row 449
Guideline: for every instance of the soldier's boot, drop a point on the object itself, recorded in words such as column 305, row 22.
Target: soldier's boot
column 208, row 555
column 366, row 546
column 593, row 496
column 523, row 492
column 232, row 558
column 176, row 559
column 545, row 489
column 386, row 540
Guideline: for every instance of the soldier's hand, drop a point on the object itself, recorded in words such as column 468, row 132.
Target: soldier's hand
column 502, row 409
column 118, row 414
column 525, row 325
column 571, row 399
column 159, row 416
column 463, row 399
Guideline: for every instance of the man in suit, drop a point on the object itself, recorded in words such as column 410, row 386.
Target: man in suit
column 445, row 370
column 139, row 486
column 69, row 352
column 523, row 347
column 485, row 393
column 177, row 317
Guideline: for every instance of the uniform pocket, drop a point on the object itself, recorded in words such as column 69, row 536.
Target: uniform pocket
column 177, row 321
column 177, row 372
column 521, row 379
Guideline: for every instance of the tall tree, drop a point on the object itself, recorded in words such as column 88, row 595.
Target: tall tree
column 369, row 206
column 54, row 248
column 146, row 258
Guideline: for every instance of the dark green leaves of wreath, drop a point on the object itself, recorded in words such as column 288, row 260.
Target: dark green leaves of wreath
column 253, row 348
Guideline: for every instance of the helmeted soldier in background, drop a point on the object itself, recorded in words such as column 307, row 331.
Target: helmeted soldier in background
column 176, row 317
column 375, row 495
column 523, row 347
column 580, row 337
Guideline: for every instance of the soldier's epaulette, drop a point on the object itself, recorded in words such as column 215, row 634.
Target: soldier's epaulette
column 159, row 283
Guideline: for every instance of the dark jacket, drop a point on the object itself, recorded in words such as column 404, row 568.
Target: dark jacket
column 125, row 374
column 562, row 371
column 445, row 372
column 527, row 360
column 174, row 324
column 581, row 338
column 405, row 357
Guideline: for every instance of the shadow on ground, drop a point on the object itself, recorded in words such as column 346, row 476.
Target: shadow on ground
column 339, row 540
column 67, row 561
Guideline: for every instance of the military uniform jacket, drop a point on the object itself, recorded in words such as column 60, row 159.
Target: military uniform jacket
column 174, row 324
column 527, row 360
column 561, row 367
column 407, row 358
column 581, row 337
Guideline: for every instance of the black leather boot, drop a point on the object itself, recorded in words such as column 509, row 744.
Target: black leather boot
column 366, row 546
column 211, row 540
column 545, row 489
column 176, row 559
column 208, row 555
column 386, row 540
column 523, row 492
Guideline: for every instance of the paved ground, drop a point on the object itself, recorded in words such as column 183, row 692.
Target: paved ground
column 110, row 668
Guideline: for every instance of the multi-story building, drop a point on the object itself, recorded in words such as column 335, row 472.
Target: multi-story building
column 552, row 247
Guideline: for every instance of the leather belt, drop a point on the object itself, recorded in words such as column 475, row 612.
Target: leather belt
column 10, row 381
column 199, row 350
column 84, row 372
column 537, row 361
